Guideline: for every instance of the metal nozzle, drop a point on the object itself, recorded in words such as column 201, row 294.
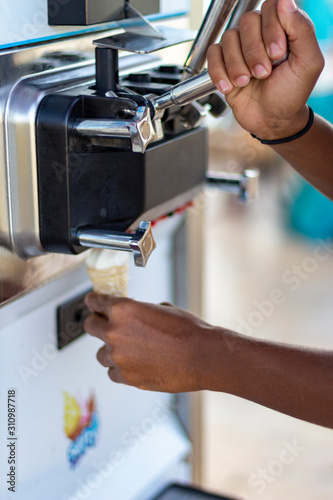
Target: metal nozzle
column 246, row 185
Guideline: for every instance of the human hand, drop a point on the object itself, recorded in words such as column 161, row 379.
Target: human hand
column 153, row 347
column 269, row 103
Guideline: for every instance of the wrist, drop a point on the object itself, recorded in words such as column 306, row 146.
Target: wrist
column 217, row 355
column 278, row 129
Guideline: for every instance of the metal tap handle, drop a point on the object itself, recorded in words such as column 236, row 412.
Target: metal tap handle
column 141, row 243
column 242, row 7
column 220, row 16
column 246, row 185
column 215, row 19
column 139, row 129
column 185, row 92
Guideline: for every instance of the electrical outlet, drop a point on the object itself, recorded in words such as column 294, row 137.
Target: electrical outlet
column 70, row 320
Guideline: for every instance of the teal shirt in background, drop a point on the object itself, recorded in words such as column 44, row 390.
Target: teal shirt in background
column 321, row 13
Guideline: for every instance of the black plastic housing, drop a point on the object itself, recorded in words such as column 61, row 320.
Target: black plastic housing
column 101, row 183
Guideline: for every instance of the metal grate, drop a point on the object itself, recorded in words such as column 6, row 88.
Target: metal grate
column 178, row 492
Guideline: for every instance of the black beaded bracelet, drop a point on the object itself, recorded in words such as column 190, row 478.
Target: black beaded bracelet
column 292, row 137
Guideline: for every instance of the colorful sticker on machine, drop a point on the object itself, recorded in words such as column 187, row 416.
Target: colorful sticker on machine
column 81, row 426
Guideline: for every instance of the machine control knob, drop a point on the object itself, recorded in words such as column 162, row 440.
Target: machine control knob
column 139, row 129
column 246, row 184
column 141, row 243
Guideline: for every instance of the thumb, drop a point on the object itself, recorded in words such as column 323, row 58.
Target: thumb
column 300, row 31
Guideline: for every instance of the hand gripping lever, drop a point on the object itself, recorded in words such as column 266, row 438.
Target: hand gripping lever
column 185, row 92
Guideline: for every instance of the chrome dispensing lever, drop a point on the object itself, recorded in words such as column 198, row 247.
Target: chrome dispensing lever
column 185, row 92
column 138, row 129
column 242, row 7
column 245, row 184
column 141, row 243
column 215, row 19
column 221, row 15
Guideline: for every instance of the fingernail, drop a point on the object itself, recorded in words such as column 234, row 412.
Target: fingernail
column 274, row 50
column 242, row 81
column 260, row 71
column 291, row 6
column 86, row 301
column 224, row 86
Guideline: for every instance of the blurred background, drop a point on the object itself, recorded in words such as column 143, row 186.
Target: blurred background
column 249, row 251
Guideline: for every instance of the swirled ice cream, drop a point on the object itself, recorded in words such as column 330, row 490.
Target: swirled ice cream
column 108, row 271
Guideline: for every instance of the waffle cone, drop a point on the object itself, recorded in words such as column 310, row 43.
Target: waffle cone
column 111, row 281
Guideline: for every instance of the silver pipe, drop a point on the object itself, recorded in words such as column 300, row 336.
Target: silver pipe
column 185, row 92
column 215, row 19
column 139, row 129
column 141, row 243
column 241, row 8
column 97, row 238
column 102, row 127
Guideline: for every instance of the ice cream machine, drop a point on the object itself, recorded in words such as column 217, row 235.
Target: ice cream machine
column 94, row 153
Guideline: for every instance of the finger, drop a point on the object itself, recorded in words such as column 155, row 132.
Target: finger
column 301, row 36
column 253, row 48
column 273, row 34
column 100, row 303
column 235, row 64
column 217, row 71
column 96, row 326
column 103, row 357
column 115, row 376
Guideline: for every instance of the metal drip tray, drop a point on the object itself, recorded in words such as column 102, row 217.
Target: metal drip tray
column 179, row 492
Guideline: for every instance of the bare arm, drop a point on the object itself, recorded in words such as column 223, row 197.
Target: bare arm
column 293, row 380
column 312, row 155
column 163, row 348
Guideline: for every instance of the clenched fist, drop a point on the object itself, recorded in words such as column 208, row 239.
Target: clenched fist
column 268, row 102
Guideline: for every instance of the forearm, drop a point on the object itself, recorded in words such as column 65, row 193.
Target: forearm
column 293, row 380
column 312, row 155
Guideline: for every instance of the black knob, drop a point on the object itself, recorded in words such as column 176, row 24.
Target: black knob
column 107, row 71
